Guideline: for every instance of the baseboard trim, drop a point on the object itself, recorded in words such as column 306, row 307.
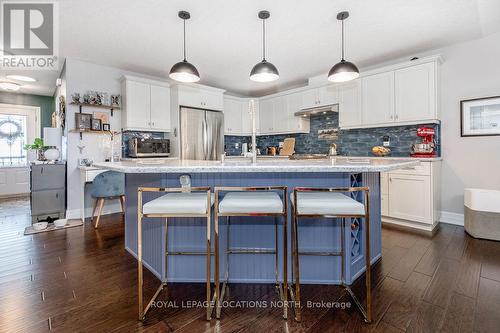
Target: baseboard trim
column 76, row 213
column 452, row 218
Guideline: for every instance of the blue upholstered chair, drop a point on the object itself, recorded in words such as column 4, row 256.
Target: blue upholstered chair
column 107, row 185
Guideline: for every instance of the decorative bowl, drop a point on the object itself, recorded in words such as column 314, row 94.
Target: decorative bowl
column 60, row 223
column 40, row 226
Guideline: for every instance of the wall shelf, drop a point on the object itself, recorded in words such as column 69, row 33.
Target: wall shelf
column 98, row 106
column 81, row 131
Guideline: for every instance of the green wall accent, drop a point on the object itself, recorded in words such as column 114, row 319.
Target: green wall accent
column 46, row 104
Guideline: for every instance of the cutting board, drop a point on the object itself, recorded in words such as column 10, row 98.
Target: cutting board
column 288, row 147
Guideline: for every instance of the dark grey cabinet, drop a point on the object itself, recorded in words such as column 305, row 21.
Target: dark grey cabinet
column 48, row 191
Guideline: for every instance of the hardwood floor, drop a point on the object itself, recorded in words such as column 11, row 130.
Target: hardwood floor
column 82, row 280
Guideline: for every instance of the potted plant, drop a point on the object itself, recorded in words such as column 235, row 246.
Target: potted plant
column 37, row 146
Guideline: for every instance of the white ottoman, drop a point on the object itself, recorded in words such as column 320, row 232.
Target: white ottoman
column 482, row 213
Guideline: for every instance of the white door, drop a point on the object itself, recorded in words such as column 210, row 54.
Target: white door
column 280, row 115
column 378, row 98
column 328, row 95
column 160, row 108
column 212, row 100
column 410, row 197
column 415, row 93
column 138, row 105
column 266, row 116
column 310, row 98
column 294, row 103
column 350, row 104
column 232, row 116
column 19, row 125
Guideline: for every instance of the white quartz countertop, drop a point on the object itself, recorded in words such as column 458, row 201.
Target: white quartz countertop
column 339, row 164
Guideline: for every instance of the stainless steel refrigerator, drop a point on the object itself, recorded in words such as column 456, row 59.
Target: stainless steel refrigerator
column 201, row 134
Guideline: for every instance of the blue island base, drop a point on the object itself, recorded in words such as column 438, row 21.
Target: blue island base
column 189, row 234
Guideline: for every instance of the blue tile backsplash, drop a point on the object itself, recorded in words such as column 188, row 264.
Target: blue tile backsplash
column 126, row 136
column 352, row 142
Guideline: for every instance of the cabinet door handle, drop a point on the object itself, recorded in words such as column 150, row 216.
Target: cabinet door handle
column 57, row 195
column 392, row 117
column 397, row 117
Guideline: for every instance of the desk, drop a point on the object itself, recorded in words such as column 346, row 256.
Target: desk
column 87, row 175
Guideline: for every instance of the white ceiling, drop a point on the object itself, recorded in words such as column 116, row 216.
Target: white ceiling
column 224, row 36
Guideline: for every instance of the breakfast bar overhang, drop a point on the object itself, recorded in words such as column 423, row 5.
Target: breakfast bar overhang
column 323, row 235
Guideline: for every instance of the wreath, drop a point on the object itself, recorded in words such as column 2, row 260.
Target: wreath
column 11, row 136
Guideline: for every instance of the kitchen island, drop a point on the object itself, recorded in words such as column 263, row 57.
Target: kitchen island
column 188, row 234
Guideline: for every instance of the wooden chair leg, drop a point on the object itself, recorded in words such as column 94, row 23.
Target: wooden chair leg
column 122, row 203
column 101, row 204
column 93, row 210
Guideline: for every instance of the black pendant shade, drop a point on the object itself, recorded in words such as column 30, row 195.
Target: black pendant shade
column 264, row 71
column 344, row 70
column 184, row 71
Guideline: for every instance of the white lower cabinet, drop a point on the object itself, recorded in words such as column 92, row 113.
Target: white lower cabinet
column 410, row 197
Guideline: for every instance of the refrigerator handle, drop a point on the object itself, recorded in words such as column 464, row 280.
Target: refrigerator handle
column 205, row 137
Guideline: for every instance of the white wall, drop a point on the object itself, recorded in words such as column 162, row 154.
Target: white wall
column 80, row 78
column 469, row 70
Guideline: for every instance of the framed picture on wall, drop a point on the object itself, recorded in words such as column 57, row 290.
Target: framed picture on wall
column 480, row 116
column 96, row 124
column 83, row 121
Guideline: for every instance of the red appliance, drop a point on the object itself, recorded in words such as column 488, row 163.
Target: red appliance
column 426, row 148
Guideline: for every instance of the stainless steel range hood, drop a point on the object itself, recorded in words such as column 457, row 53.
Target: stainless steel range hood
column 317, row 110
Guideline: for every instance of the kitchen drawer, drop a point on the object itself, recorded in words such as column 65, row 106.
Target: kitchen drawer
column 48, row 177
column 91, row 174
column 46, row 202
column 424, row 169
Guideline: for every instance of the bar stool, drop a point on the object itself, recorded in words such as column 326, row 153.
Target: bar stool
column 331, row 203
column 178, row 202
column 252, row 201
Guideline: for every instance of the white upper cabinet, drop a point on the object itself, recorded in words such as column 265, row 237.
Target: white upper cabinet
column 378, row 98
column 160, row 108
column 350, row 104
column 201, row 97
column 325, row 95
column 277, row 115
column 232, row 116
column 416, row 93
column 146, row 104
column 266, row 116
column 399, row 95
column 237, row 118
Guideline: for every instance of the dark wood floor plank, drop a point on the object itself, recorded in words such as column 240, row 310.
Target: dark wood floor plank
column 403, row 309
column 443, row 282
column 459, row 316
column 428, row 319
column 487, row 314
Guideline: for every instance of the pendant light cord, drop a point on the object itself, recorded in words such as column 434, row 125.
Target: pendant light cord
column 184, row 20
column 343, row 40
column 264, row 40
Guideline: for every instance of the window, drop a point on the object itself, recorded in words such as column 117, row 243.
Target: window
column 13, row 137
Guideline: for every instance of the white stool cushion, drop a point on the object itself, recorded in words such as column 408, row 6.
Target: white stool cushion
column 178, row 203
column 327, row 203
column 259, row 202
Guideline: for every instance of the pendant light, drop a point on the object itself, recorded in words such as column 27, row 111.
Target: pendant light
column 343, row 71
column 264, row 71
column 184, row 71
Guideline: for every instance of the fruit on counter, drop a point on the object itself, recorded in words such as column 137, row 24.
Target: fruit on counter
column 381, row 151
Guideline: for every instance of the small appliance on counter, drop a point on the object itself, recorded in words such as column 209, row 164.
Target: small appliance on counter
column 138, row 147
column 426, row 148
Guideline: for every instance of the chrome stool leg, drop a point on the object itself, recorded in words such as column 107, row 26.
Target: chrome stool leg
column 367, row 314
column 208, row 253
column 280, row 289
